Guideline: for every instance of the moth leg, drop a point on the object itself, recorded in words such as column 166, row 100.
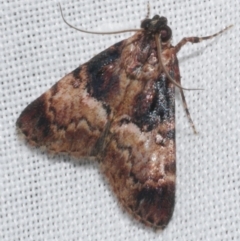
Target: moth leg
column 177, row 48
column 194, row 40
column 161, row 65
column 187, row 111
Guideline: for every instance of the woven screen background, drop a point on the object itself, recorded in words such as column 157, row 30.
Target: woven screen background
column 46, row 197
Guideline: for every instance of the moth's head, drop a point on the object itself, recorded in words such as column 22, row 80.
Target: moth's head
column 157, row 25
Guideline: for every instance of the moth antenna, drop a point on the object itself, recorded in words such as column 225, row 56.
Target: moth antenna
column 159, row 50
column 94, row 32
column 148, row 10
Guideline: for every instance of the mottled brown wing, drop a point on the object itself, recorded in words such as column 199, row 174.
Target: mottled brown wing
column 139, row 157
column 119, row 107
column 141, row 169
column 72, row 116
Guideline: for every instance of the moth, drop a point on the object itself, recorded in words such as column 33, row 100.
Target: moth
column 119, row 107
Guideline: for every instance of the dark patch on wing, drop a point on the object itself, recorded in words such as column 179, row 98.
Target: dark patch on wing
column 33, row 120
column 101, row 79
column 149, row 112
column 76, row 72
column 171, row 134
column 157, row 203
column 170, row 167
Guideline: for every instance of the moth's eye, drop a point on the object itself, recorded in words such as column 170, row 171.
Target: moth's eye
column 166, row 33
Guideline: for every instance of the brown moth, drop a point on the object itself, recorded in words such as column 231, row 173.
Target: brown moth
column 119, row 107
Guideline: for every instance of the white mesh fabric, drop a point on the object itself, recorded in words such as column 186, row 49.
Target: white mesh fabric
column 58, row 198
